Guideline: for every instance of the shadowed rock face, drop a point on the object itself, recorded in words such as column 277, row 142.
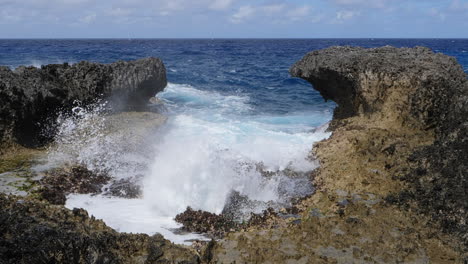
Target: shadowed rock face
column 411, row 89
column 30, row 97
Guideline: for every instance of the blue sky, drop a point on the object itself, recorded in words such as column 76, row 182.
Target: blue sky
column 233, row 18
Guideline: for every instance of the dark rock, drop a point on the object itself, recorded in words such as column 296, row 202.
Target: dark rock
column 30, row 98
column 126, row 188
column 261, row 219
column 57, row 183
column 215, row 226
column 234, row 204
column 37, row 232
column 240, row 207
column 421, row 91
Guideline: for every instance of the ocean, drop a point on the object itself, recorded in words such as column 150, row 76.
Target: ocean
column 231, row 105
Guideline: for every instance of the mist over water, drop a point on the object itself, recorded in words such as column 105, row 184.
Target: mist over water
column 211, row 144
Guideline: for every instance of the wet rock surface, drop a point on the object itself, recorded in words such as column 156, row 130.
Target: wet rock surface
column 213, row 225
column 30, row 97
column 32, row 231
column 125, row 188
column 58, row 183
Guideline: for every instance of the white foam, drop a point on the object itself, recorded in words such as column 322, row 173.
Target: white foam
column 129, row 216
column 200, row 158
column 209, row 147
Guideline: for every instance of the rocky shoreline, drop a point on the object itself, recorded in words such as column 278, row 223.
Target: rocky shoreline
column 391, row 186
column 32, row 98
column 412, row 106
column 393, row 174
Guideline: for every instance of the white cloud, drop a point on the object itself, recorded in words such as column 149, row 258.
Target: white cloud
column 344, row 15
column 6, row 18
column 220, row 4
column 174, row 5
column 244, row 12
column 362, row 3
column 88, row 19
column 434, row 12
column 298, row 13
column 119, row 12
column 458, row 5
column 73, row 2
column 273, row 9
column 274, row 13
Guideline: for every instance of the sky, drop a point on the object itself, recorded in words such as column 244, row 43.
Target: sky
column 234, row 19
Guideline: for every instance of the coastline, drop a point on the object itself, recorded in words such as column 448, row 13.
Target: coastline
column 359, row 212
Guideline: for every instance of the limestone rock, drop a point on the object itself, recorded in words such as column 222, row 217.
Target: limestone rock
column 406, row 109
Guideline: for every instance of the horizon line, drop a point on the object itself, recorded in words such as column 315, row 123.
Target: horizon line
column 221, row 38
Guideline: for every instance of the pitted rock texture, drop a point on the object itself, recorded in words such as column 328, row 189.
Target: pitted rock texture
column 57, row 183
column 30, row 97
column 401, row 123
column 419, row 87
column 37, row 232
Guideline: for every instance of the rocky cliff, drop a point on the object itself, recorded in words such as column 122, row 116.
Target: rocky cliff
column 392, row 183
column 30, row 97
column 422, row 96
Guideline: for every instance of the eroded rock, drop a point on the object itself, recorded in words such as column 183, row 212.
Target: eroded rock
column 37, row 232
column 419, row 101
column 57, row 183
column 399, row 136
column 125, row 188
column 30, row 98
column 213, row 225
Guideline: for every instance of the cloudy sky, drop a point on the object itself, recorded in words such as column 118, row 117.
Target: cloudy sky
column 233, row 18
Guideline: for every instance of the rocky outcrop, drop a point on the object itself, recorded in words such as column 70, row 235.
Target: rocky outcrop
column 415, row 85
column 392, row 173
column 213, row 225
column 37, row 232
column 30, row 97
column 422, row 94
column 57, row 183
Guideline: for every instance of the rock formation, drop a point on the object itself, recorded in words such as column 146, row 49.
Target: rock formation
column 392, row 182
column 391, row 186
column 37, row 232
column 411, row 89
column 30, row 97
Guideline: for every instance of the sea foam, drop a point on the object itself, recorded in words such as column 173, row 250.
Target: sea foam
column 212, row 144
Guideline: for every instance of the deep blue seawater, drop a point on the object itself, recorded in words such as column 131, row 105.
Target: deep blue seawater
column 258, row 68
column 232, row 106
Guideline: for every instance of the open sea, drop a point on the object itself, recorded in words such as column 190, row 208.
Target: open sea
column 231, row 105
